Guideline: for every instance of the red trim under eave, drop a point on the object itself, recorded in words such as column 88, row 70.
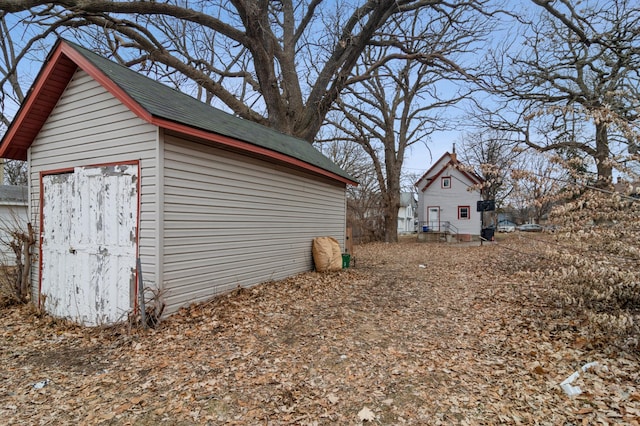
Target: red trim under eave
column 436, row 176
column 106, row 82
column 38, row 104
column 432, row 167
column 452, row 164
column 246, row 147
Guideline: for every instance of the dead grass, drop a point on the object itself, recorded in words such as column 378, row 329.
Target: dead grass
column 416, row 333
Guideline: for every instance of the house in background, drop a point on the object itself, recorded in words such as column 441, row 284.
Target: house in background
column 13, row 217
column 506, row 220
column 125, row 171
column 447, row 200
column 407, row 213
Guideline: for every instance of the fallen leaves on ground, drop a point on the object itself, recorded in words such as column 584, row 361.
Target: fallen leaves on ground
column 462, row 340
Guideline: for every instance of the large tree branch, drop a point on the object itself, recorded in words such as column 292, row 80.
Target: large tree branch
column 569, row 22
column 132, row 7
column 156, row 52
column 344, row 57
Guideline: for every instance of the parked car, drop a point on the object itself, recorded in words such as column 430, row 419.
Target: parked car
column 552, row 228
column 530, row 227
column 506, row 228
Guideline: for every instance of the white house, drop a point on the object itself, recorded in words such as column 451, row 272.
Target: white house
column 407, row 213
column 13, row 217
column 447, row 199
column 131, row 179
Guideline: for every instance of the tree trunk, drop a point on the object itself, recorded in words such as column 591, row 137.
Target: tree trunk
column 603, row 162
column 391, row 223
column 391, row 204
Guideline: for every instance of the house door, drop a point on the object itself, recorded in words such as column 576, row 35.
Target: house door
column 89, row 243
column 433, row 218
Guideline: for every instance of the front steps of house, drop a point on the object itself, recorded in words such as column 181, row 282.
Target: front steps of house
column 443, row 237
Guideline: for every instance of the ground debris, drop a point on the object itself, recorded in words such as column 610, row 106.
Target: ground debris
column 462, row 341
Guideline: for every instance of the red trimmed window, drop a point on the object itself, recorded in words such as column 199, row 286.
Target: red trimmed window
column 445, row 182
column 464, row 212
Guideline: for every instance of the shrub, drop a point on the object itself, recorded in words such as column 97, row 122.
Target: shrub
column 15, row 270
column 594, row 264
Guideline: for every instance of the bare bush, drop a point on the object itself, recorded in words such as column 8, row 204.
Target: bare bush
column 15, row 266
column 153, row 308
column 594, row 264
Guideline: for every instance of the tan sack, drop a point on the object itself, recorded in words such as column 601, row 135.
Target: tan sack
column 327, row 255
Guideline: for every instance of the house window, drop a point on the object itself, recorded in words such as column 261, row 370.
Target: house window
column 463, row 212
column 445, row 182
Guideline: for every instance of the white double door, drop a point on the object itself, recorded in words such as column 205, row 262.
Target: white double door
column 89, row 243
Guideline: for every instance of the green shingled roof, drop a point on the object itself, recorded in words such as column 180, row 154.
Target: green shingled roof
column 164, row 102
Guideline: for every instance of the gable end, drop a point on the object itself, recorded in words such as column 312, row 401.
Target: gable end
column 39, row 102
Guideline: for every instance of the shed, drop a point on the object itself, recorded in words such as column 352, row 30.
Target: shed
column 122, row 167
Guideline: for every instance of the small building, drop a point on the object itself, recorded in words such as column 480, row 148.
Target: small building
column 125, row 171
column 407, row 213
column 448, row 196
column 13, row 217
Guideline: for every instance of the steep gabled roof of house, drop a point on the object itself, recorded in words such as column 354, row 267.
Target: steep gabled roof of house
column 407, row 199
column 157, row 104
column 433, row 167
column 439, row 167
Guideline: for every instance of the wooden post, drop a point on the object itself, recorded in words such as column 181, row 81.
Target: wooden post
column 481, row 224
column 141, row 306
column 348, row 243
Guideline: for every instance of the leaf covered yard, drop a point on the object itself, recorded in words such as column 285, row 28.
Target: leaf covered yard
column 413, row 334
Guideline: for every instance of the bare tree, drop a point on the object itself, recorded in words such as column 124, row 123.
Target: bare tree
column 573, row 80
column 280, row 63
column 364, row 208
column 400, row 104
column 15, row 172
column 12, row 92
column 537, row 186
column 17, row 44
column 11, row 83
column 492, row 155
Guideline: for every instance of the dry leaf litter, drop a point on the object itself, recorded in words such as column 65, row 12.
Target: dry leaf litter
column 461, row 340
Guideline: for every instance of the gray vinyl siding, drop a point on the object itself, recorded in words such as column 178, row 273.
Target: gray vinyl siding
column 87, row 127
column 231, row 220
